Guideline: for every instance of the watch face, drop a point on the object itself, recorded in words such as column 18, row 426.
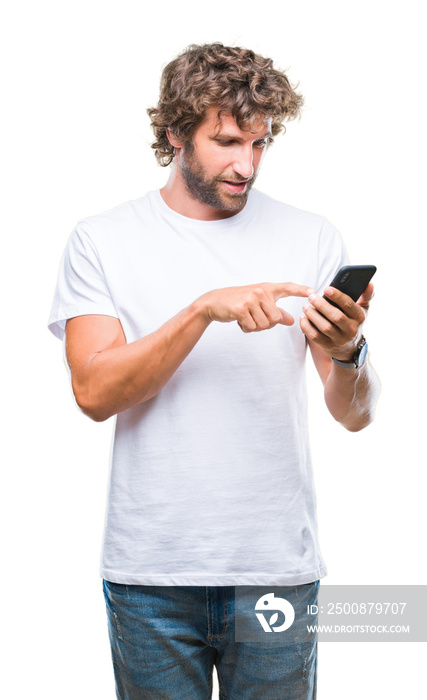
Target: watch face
column 362, row 355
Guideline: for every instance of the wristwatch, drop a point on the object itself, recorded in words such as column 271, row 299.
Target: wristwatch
column 359, row 356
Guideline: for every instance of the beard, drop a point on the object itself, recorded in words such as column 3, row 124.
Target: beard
column 209, row 190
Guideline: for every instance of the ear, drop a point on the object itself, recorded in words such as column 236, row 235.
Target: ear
column 173, row 139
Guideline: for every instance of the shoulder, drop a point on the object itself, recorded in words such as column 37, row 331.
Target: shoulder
column 122, row 214
column 305, row 231
column 279, row 209
column 303, row 226
column 121, row 221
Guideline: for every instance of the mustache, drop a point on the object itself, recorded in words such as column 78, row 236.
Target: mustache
column 236, row 180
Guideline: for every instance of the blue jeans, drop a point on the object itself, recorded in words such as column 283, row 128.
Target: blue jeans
column 165, row 641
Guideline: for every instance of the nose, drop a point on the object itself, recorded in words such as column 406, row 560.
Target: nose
column 244, row 162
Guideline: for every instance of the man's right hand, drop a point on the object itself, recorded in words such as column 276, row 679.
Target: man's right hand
column 110, row 375
column 253, row 306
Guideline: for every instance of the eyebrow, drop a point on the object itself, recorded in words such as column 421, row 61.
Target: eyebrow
column 232, row 137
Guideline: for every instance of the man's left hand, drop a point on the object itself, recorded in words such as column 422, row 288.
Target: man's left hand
column 336, row 331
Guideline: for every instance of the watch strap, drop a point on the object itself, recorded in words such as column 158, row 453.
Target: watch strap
column 355, row 363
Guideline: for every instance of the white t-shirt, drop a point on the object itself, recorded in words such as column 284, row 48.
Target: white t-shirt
column 211, row 480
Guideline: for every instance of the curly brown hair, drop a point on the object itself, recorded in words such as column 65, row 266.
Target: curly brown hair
column 236, row 80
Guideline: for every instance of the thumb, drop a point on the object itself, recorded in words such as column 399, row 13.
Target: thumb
column 287, row 319
column 366, row 296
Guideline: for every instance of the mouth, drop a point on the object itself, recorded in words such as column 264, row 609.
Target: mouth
column 233, row 186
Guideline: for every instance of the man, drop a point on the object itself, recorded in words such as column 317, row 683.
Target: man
column 172, row 307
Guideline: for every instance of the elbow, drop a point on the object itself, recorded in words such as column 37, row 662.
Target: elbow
column 355, row 428
column 90, row 405
column 355, row 425
column 97, row 415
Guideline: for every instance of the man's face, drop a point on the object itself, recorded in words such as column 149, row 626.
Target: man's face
column 219, row 165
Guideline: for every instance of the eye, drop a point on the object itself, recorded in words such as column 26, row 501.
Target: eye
column 229, row 142
column 261, row 144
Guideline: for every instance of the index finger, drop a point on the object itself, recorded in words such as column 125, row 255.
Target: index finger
column 289, row 289
column 345, row 303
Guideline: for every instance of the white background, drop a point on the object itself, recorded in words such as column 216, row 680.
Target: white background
column 77, row 79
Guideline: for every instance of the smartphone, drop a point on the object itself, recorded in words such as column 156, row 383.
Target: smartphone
column 352, row 280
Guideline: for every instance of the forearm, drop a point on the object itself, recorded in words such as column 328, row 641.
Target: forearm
column 121, row 377
column 109, row 376
column 351, row 395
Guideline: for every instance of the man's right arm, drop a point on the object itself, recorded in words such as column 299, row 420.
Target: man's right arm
column 109, row 375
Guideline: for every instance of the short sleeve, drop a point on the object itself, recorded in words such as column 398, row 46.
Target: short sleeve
column 81, row 286
column 331, row 255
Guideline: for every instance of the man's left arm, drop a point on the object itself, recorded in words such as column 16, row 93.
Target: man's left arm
column 350, row 394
